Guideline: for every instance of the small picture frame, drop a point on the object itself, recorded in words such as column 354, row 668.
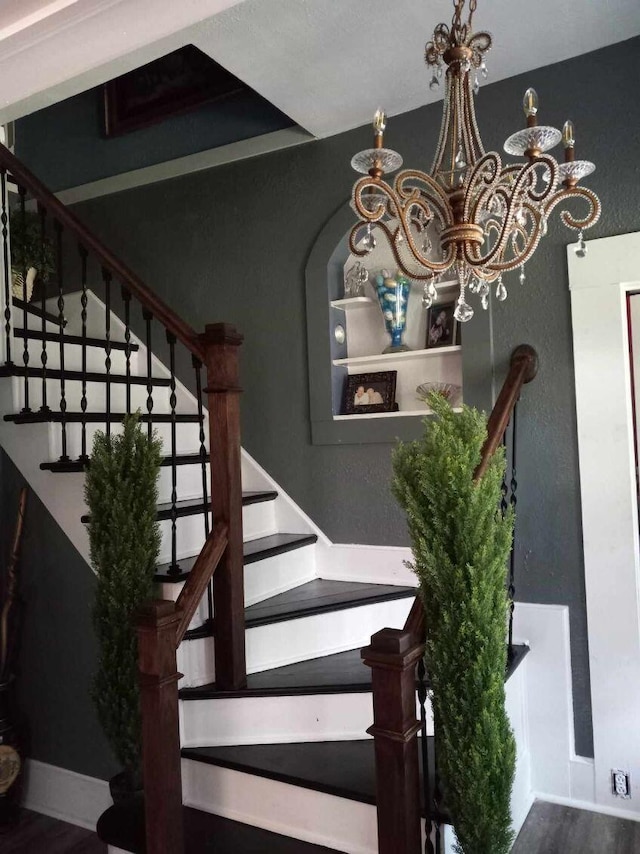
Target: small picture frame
column 443, row 330
column 367, row 393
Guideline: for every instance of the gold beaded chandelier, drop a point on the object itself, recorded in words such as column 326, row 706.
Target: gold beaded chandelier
column 471, row 214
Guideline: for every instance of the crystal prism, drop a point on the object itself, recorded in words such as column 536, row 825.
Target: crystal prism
column 522, row 275
column 484, row 301
column 581, row 247
column 434, row 83
column 476, row 85
column 463, row 311
column 501, row 291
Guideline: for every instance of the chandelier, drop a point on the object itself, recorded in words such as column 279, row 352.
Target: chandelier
column 471, row 214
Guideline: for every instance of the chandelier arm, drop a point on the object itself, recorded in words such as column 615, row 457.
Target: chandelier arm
column 569, row 193
column 471, row 125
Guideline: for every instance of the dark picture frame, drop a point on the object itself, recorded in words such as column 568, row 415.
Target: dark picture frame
column 380, row 386
column 176, row 83
column 443, row 330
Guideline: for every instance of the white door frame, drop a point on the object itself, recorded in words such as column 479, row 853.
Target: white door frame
column 599, row 286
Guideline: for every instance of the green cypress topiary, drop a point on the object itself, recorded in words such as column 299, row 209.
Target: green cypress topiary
column 460, row 545
column 122, row 493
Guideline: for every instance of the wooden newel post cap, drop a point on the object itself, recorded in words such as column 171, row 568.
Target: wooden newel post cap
column 221, row 333
column 392, row 648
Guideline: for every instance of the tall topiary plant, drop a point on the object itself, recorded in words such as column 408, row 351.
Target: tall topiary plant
column 121, row 492
column 460, row 545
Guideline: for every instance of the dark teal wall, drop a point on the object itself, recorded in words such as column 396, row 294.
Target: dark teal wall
column 57, row 648
column 232, row 244
column 76, row 151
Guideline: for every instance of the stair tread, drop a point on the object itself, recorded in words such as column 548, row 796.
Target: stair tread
column 98, row 417
column 339, row 673
column 194, row 506
column 122, row 826
column 79, row 376
column 253, row 550
column 320, row 596
column 54, row 337
column 345, row 769
column 342, row 672
column 79, row 466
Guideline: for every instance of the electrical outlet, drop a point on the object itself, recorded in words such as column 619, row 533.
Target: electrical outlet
column 620, row 783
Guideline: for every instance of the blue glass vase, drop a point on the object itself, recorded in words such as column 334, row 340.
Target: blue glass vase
column 393, row 296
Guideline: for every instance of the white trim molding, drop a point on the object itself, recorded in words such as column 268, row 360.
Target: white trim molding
column 599, row 284
column 65, row 795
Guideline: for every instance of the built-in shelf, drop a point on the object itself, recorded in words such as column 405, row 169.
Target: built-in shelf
column 405, row 412
column 353, row 303
column 404, row 356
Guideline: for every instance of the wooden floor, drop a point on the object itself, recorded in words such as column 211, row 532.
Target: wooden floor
column 553, row 829
column 39, row 834
column 549, row 829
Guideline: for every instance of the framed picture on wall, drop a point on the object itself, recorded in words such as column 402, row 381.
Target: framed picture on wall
column 176, row 83
column 370, row 393
column 443, row 330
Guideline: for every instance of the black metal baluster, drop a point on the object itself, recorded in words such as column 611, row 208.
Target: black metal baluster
column 63, row 398
column 512, row 556
column 25, row 314
column 8, row 292
column 204, row 459
column 43, row 303
column 437, row 790
column 171, row 340
column 126, row 296
column 504, row 488
column 148, row 317
column 106, row 278
column 84, row 457
column 424, row 746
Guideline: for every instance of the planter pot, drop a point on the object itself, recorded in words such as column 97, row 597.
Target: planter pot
column 11, row 761
column 125, row 787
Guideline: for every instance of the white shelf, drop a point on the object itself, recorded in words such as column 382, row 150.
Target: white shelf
column 404, row 356
column 405, row 412
column 353, row 303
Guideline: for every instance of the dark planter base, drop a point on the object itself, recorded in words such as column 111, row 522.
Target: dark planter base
column 124, row 787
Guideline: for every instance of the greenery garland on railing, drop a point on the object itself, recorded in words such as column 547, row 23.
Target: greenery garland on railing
column 460, row 545
column 122, row 493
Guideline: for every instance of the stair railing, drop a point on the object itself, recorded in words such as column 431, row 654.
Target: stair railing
column 396, row 658
column 82, row 263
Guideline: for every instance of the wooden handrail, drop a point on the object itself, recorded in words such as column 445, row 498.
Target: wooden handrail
column 150, row 300
column 523, row 367
column 200, row 576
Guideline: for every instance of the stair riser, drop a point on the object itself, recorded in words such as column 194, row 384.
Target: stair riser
column 73, row 357
column 280, row 720
column 276, row 720
column 338, row 823
column 264, row 578
column 283, row 643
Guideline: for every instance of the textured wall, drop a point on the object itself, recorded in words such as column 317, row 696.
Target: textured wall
column 232, row 243
column 76, row 151
column 57, row 647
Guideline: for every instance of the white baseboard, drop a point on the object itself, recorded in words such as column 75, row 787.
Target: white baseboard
column 65, row 795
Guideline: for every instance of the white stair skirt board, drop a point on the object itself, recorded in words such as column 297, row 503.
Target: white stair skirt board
column 65, row 795
column 367, row 564
column 338, row 823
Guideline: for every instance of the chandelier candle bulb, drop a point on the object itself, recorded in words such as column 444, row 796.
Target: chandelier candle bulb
column 484, row 217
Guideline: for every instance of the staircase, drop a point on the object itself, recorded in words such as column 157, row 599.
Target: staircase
column 283, row 763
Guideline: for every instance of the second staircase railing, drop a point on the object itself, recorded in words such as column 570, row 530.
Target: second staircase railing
column 396, row 658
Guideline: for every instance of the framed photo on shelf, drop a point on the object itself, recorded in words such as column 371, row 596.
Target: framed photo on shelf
column 443, row 330
column 368, row 393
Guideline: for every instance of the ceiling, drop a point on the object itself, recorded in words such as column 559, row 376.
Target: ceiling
column 328, row 64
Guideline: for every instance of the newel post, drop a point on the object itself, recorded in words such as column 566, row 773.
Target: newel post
column 393, row 656
column 221, row 344
column 157, row 624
